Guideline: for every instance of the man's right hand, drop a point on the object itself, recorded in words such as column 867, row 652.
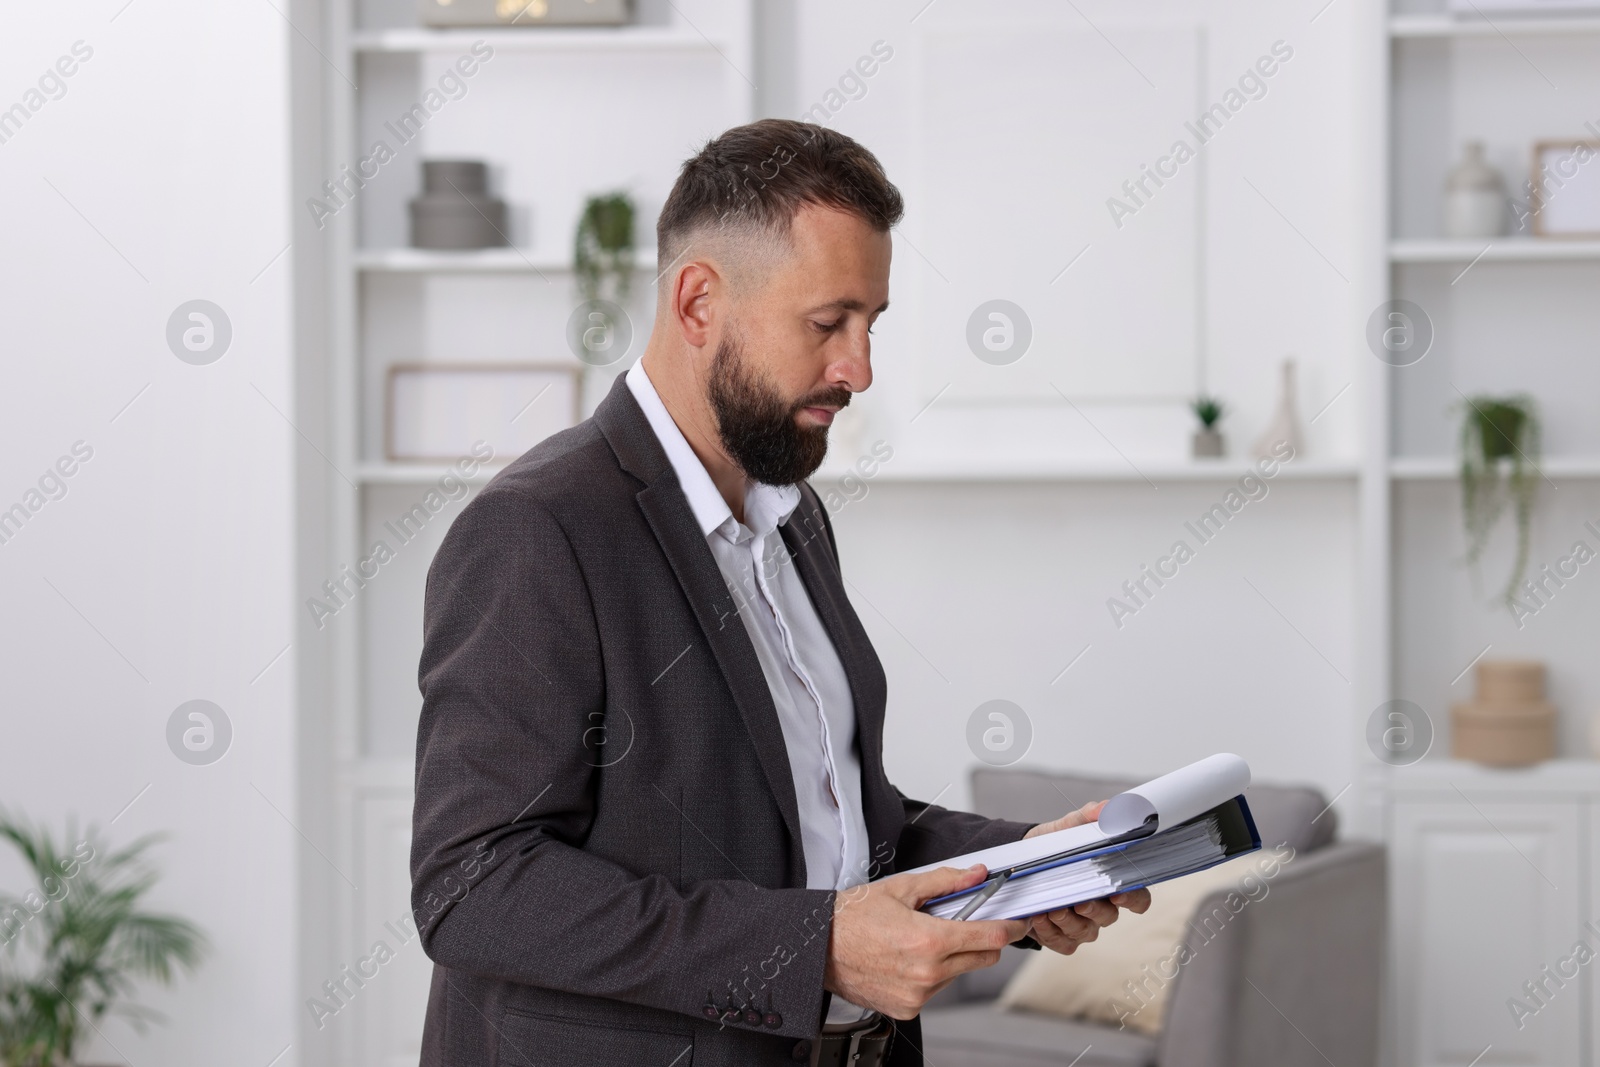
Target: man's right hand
column 885, row 954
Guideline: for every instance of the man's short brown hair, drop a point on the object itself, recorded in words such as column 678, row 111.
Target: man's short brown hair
column 754, row 179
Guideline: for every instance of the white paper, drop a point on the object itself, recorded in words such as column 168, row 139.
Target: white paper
column 1177, row 797
column 1173, row 798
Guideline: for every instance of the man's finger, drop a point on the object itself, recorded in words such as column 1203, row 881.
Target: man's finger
column 1054, row 940
column 1088, row 932
column 1068, row 923
column 914, row 890
column 982, row 935
column 1099, row 912
column 1087, row 813
column 1136, row 900
column 962, row 962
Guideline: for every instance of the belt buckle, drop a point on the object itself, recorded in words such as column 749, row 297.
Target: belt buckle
column 850, row 1054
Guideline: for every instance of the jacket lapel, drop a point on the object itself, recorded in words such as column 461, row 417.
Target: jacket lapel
column 667, row 510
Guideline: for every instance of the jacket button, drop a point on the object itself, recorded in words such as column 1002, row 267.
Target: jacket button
column 801, row 1051
column 772, row 1020
column 752, row 1017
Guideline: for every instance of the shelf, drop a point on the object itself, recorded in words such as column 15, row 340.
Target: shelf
column 1179, row 470
column 476, row 261
column 1447, row 468
column 1437, row 26
column 536, row 39
column 1499, row 249
column 418, row 473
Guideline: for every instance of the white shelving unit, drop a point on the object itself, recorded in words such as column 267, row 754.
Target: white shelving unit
column 1500, row 249
column 485, row 261
column 394, row 304
column 1446, row 468
column 1403, row 27
column 1508, row 315
column 533, row 39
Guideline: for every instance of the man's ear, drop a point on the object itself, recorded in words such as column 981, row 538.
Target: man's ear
column 695, row 296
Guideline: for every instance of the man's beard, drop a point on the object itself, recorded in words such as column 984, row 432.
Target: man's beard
column 758, row 427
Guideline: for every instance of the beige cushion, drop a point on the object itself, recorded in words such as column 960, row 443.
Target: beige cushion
column 1124, row 976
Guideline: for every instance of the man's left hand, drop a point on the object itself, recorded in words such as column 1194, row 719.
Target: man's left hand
column 1067, row 928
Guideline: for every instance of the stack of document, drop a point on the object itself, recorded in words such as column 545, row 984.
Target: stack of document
column 1174, row 825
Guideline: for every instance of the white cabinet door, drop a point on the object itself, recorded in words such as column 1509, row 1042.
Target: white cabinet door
column 1486, row 896
column 387, row 1009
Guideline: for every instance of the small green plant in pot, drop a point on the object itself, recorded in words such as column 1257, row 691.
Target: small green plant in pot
column 74, row 949
column 1499, row 471
column 1207, row 441
column 603, row 247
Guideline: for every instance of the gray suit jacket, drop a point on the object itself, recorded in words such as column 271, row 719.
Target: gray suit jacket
column 606, row 855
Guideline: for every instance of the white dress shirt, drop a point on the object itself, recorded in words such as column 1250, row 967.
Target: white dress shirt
column 808, row 684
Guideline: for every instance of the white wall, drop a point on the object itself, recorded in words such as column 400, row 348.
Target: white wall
column 163, row 575
column 975, row 593
column 981, row 591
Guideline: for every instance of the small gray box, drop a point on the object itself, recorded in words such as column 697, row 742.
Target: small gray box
column 525, row 12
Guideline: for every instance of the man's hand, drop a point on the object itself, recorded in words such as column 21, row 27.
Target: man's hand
column 1064, row 930
column 884, row 954
column 1087, row 813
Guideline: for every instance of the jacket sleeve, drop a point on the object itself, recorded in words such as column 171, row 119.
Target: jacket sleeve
column 511, row 679
column 932, row 834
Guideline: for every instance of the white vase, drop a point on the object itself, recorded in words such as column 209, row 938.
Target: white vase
column 1284, row 429
column 1474, row 197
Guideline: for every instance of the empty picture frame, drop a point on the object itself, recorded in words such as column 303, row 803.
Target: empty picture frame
column 438, row 412
column 1566, row 188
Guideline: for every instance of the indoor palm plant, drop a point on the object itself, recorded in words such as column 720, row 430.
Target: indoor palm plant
column 74, row 948
column 1499, row 470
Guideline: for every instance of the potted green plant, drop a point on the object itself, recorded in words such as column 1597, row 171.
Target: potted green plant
column 603, row 246
column 1207, row 440
column 74, row 948
column 1499, row 471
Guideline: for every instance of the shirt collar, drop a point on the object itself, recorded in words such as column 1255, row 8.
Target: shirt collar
column 766, row 507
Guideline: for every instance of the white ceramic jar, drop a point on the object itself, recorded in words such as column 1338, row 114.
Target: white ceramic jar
column 1474, row 197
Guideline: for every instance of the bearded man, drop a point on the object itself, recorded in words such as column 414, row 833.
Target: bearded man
column 652, row 823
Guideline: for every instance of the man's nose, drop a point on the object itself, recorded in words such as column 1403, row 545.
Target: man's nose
column 853, row 369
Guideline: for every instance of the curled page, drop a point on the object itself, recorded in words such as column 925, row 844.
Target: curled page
column 1179, row 796
column 1173, row 798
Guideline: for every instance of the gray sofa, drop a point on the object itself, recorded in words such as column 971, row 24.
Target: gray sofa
column 1290, row 981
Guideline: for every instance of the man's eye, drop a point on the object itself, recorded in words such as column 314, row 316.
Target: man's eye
column 826, row 327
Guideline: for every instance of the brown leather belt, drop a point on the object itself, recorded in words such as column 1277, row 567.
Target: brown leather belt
column 866, row 1047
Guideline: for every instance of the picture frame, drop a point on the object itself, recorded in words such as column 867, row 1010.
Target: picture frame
column 438, row 412
column 1565, row 188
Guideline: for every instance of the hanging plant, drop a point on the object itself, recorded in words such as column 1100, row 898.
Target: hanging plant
column 603, row 246
column 1499, row 470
